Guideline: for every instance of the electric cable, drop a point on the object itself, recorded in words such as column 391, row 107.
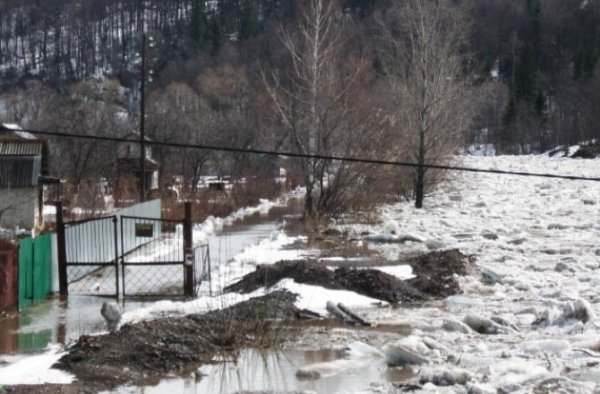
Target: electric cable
column 313, row 156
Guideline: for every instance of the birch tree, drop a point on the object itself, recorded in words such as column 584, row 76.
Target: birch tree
column 423, row 55
column 313, row 100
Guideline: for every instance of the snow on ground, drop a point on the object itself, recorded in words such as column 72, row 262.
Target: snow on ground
column 168, row 248
column 212, row 224
column 35, row 369
column 538, row 238
column 268, row 251
column 310, row 297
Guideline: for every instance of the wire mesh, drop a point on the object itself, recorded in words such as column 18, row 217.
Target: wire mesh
column 91, row 279
column 153, row 258
column 153, row 280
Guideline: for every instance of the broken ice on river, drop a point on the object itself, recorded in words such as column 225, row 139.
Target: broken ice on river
column 527, row 318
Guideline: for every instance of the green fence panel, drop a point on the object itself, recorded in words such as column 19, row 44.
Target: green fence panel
column 42, row 266
column 25, row 272
column 35, row 269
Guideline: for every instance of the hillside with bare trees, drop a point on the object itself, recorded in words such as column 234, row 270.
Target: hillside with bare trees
column 397, row 80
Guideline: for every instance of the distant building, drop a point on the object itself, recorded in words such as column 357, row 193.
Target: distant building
column 128, row 161
column 23, row 165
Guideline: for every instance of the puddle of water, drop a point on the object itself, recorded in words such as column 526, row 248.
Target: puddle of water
column 273, row 371
column 54, row 321
column 400, row 329
column 64, row 321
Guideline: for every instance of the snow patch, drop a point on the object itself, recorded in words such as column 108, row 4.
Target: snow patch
column 36, row 370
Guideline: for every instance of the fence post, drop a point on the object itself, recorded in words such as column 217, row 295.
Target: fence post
column 115, row 232
column 188, row 282
column 61, row 252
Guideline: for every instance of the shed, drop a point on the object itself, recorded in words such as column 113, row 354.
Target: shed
column 128, row 159
column 23, row 163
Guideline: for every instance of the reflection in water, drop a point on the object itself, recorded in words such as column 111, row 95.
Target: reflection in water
column 275, row 371
column 59, row 321
column 34, row 340
column 50, row 321
column 63, row 321
column 8, row 341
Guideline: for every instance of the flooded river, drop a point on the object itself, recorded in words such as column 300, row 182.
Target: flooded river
column 63, row 321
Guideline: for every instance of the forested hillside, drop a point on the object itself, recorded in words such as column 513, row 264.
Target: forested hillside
column 522, row 74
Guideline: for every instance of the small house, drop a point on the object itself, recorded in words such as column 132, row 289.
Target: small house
column 23, row 163
column 129, row 164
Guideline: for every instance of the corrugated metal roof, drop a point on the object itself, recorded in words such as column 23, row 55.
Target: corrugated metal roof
column 20, row 148
column 19, row 171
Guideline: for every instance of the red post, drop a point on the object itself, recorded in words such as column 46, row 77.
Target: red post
column 188, row 281
column 9, row 276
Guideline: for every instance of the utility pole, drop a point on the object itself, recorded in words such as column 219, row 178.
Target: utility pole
column 61, row 250
column 142, row 125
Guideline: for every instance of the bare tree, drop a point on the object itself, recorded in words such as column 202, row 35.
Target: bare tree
column 178, row 113
column 313, row 99
column 89, row 107
column 424, row 61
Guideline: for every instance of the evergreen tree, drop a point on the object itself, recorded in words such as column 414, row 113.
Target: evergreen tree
column 249, row 26
column 199, row 23
column 364, row 6
column 584, row 64
column 589, row 64
column 540, row 104
column 526, row 75
column 216, row 32
column 229, row 14
column 510, row 113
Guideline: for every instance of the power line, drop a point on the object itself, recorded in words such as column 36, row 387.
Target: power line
column 318, row 157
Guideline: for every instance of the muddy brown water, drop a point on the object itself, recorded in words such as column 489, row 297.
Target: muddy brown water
column 63, row 321
column 274, row 371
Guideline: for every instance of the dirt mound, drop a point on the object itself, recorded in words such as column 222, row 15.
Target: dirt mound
column 435, row 272
column 591, row 151
column 143, row 353
column 377, row 284
column 435, row 278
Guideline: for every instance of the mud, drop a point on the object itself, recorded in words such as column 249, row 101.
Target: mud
column 141, row 353
column 436, row 278
column 591, row 151
column 436, row 272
